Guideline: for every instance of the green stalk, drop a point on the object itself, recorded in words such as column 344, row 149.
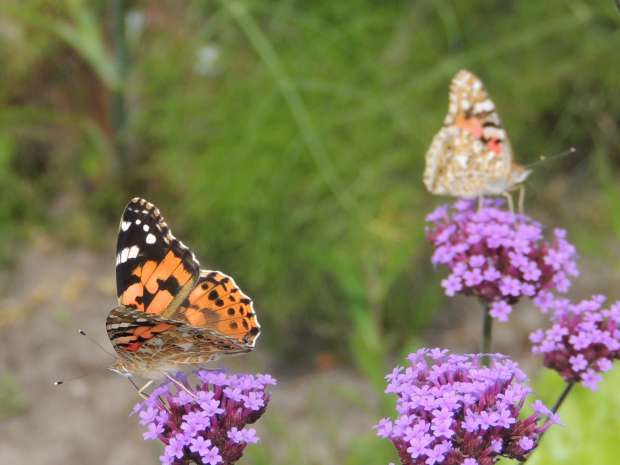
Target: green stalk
column 487, row 334
column 558, row 403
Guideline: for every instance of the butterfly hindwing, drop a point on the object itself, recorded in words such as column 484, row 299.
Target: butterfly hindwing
column 216, row 302
column 138, row 334
column 154, row 270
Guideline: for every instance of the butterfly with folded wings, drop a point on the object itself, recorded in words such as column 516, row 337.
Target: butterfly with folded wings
column 171, row 313
column 471, row 155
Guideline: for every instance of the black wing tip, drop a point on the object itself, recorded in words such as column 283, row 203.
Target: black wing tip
column 140, row 201
column 145, row 204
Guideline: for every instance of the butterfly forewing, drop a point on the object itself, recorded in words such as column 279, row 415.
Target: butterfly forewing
column 471, row 155
column 153, row 268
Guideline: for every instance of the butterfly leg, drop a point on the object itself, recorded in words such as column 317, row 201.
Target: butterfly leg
column 521, row 198
column 181, row 385
column 480, row 202
column 141, row 390
column 511, row 206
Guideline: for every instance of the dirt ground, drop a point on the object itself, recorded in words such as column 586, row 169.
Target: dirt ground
column 51, row 293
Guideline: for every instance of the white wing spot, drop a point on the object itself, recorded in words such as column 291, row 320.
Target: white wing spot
column 494, row 133
column 484, row 106
column 119, row 325
column 145, row 228
column 150, row 238
column 461, row 159
column 138, row 222
column 125, row 225
column 133, row 251
column 124, row 254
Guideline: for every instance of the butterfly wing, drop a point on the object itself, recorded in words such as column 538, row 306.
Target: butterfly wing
column 148, row 343
column 471, row 155
column 216, row 302
column 171, row 312
column 154, row 270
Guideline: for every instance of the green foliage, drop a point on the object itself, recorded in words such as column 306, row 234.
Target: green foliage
column 590, row 424
column 285, row 141
column 14, row 196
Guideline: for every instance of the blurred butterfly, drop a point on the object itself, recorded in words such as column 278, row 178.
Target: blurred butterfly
column 171, row 313
column 471, row 155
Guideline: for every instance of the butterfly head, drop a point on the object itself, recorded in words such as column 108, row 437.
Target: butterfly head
column 519, row 174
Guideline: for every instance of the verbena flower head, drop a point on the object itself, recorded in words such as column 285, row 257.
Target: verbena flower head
column 452, row 410
column 207, row 426
column 498, row 256
column 583, row 341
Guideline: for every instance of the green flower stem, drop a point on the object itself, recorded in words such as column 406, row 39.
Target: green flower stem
column 558, row 403
column 487, row 334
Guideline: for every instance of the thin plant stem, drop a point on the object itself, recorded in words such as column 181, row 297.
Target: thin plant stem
column 487, row 334
column 558, row 403
column 297, row 107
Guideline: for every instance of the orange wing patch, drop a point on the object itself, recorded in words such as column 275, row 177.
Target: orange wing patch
column 132, row 296
column 217, row 303
column 158, row 284
column 162, row 272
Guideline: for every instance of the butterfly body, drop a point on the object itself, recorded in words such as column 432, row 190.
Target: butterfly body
column 171, row 314
column 471, row 155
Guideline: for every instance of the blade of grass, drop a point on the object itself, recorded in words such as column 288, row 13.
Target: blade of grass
column 293, row 100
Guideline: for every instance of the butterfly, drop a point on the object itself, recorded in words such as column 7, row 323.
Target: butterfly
column 471, row 155
column 171, row 313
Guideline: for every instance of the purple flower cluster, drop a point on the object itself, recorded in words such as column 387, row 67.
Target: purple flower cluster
column 206, row 423
column 498, row 256
column 452, row 410
column 583, row 341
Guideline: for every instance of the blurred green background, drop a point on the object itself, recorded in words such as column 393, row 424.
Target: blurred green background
column 285, row 141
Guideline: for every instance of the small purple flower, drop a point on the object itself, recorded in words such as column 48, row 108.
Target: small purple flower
column 200, row 445
column 247, row 435
column 207, row 426
column 148, row 415
column 578, row 362
column 526, row 443
column 500, row 310
column 154, row 432
column 253, row 401
column 212, row 456
column 582, row 342
column 498, row 256
column 175, row 446
column 452, row 409
column 452, row 284
column 384, row 428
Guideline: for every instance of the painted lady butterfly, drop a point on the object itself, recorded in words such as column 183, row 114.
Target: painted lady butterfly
column 471, row 155
column 171, row 313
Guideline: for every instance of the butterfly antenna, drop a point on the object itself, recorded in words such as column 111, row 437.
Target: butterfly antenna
column 83, row 333
column 544, row 158
column 60, row 382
